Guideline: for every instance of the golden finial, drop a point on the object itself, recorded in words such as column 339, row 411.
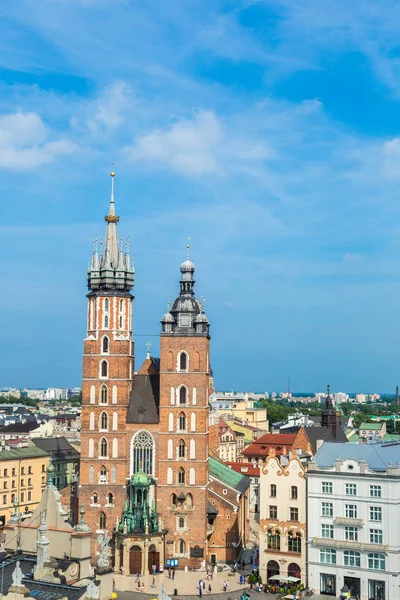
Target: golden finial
column 112, row 172
column 188, row 249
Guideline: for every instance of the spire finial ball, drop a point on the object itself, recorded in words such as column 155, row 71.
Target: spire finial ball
column 112, row 174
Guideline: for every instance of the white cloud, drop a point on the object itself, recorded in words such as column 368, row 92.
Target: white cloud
column 23, row 142
column 108, row 111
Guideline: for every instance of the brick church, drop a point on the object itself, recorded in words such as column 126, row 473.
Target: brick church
column 148, row 475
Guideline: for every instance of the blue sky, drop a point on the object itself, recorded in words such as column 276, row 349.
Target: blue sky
column 267, row 131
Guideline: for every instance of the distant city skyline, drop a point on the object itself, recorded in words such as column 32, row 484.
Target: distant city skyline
column 270, row 139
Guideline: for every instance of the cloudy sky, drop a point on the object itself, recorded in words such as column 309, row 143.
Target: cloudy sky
column 266, row 131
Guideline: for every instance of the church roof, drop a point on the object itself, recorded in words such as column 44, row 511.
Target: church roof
column 144, row 399
column 324, row 433
column 218, row 470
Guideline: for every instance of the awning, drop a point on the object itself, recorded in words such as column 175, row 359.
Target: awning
column 280, row 578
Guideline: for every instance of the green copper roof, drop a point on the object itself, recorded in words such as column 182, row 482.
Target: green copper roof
column 21, row 453
column 140, row 478
column 225, row 474
column 372, row 426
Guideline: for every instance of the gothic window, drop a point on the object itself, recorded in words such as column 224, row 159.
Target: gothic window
column 172, row 395
column 192, row 476
column 196, row 365
column 193, row 421
column 92, row 394
column 91, row 448
column 192, row 449
column 183, row 361
column 189, row 501
column 103, row 475
column 106, row 304
column 103, row 422
column 181, row 476
column 104, row 368
column 95, row 499
column 103, row 394
column 120, row 322
column 105, row 321
column 181, row 547
column 183, row 395
column 103, row 447
column 91, row 474
column 181, row 524
column 105, row 345
column 170, row 475
column 170, row 450
column 91, row 421
column 110, row 498
column 182, row 449
column 171, row 421
column 115, row 448
column 143, row 452
column 114, row 474
column 182, row 422
column 115, row 421
column 173, row 500
column 114, row 394
column 194, row 396
column 102, row 521
column 121, row 305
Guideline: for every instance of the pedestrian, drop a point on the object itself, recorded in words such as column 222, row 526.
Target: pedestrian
column 122, row 569
column 209, row 588
column 143, row 586
column 153, row 583
column 173, row 574
column 224, row 586
column 200, row 591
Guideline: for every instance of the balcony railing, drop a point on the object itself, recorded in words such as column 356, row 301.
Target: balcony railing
column 349, row 521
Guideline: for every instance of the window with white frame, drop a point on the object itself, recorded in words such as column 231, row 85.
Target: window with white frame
column 375, row 491
column 376, row 561
column 327, row 556
column 350, row 511
column 375, row 513
column 326, row 487
column 351, row 489
column 327, row 509
column 351, row 558
column 143, row 452
column 327, row 531
column 375, row 536
column 351, row 534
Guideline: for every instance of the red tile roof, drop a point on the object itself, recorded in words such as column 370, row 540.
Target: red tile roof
column 280, row 442
column 245, row 469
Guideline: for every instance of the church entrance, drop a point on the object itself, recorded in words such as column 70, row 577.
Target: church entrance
column 135, row 560
column 154, row 559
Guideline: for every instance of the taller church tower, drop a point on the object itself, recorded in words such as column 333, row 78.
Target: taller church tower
column 183, row 443
column 108, row 367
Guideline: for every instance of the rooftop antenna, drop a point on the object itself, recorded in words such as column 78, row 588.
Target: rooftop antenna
column 397, row 395
column 288, row 386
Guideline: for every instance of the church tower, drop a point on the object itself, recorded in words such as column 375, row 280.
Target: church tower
column 108, row 367
column 183, row 443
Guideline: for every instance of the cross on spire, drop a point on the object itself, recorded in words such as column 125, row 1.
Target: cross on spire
column 148, row 344
column 188, row 249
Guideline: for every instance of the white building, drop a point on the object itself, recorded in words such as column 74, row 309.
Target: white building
column 353, row 509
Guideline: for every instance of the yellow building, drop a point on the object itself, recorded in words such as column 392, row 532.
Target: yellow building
column 251, row 414
column 22, row 480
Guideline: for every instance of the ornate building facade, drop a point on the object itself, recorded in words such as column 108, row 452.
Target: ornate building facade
column 153, row 422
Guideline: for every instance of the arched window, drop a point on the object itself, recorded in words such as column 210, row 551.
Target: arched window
column 192, row 449
column 171, row 421
column 143, row 452
column 91, row 421
column 103, row 394
column 181, row 547
column 181, row 522
column 104, row 368
column 170, row 475
column 183, row 361
column 192, row 476
column 181, row 449
column 102, row 521
column 189, row 501
column 105, row 321
column 294, row 542
column 103, row 421
column 194, row 396
column 120, row 322
column 182, row 421
column 114, row 474
column 193, row 421
column 181, row 476
column 121, row 305
column 110, row 498
column 91, row 474
column 92, row 394
column 273, row 540
column 91, row 448
column 106, row 304
column 115, row 448
column 103, row 474
column 170, row 449
column 173, row 500
column 103, row 447
column 172, row 395
column 95, row 499
column 183, row 395
column 105, row 345
column 115, row 421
